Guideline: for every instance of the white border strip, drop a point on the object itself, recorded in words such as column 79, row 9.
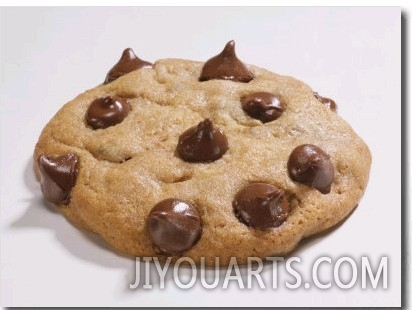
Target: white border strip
column 204, row 3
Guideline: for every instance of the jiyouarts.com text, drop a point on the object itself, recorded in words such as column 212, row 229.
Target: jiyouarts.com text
column 270, row 273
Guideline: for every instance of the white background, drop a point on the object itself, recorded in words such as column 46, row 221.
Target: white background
column 49, row 55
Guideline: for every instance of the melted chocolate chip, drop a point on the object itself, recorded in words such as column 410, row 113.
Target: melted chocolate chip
column 127, row 63
column 310, row 165
column 174, row 226
column 261, row 206
column 263, row 106
column 204, row 142
column 107, row 111
column 329, row 103
column 58, row 176
column 226, row 66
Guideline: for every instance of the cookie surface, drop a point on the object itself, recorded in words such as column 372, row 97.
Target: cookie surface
column 180, row 149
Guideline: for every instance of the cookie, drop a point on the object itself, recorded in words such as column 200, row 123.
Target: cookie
column 215, row 159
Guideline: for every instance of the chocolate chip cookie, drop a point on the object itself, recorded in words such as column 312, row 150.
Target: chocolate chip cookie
column 215, row 159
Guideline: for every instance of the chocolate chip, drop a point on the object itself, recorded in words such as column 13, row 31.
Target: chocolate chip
column 127, row 63
column 310, row 165
column 226, row 66
column 201, row 143
column 107, row 111
column 174, row 226
column 261, row 206
column 58, row 176
column 263, row 106
column 329, row 103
